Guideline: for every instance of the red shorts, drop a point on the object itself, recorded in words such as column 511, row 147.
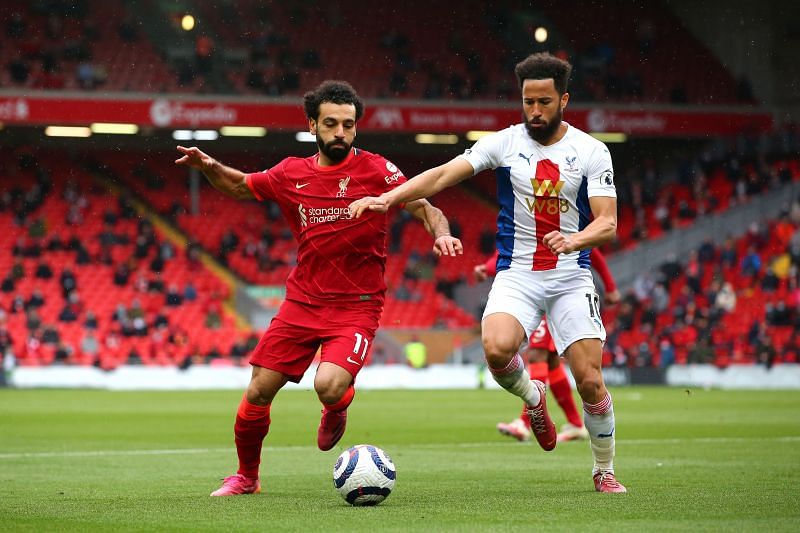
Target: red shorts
column 294, row 336
column 541, row 338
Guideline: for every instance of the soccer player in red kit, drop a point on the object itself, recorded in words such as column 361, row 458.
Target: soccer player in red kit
column 545, row 365
column 335, row 294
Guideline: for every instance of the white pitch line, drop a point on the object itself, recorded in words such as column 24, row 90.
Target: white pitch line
column 200, row 451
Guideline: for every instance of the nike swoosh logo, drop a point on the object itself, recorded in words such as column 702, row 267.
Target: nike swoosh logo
column 350, row 360
column 300, row 186
column 606, row 435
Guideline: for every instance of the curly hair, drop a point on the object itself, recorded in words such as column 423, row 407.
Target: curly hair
column 544, row 66
column 334, row 91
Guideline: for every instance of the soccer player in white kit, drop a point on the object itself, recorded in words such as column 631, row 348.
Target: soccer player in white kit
column 557, row 200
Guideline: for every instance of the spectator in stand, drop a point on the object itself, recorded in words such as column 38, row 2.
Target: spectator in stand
column 72, row 308
column 160, row 320
column 239, row 350
column 140, row 283
column 166, row 251
column 36, row 300
column 416, row 353
column 156, row 284
column 659, row 298
column 8, row 285
column 68, row 281
column 694, row 272
column 82, row 256
column 173, row 297
column 133, row 357
column 702, row 353
column 17, row 305
column 121, row 275
column 666, row 352
column 33, row 321
column 50, row 335
column 727, row 255
column 778, row 314
column 120, row 314
column 140, row 328
column 17, row 270
column 55, row 244
column 766, row 353
column 89, row 345
column 91, row 320
column 189, row 292
column 213, row 317
column 135, row 310
column 63, row 353
column 751, row 263
column 43, row 270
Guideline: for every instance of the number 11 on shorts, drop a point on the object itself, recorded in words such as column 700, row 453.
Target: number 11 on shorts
column 360, row 339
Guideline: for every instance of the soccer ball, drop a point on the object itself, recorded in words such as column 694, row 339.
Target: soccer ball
column 364, row 475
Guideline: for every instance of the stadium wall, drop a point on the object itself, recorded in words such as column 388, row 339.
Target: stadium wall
column 393, row 377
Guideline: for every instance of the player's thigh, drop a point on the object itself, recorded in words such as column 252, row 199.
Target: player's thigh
column 515, row 295
column 288, row 347
column 573, row 314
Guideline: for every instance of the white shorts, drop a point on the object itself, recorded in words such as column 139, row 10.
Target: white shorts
column 568, row 297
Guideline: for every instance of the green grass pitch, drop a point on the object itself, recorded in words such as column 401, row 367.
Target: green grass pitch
column 693, row 460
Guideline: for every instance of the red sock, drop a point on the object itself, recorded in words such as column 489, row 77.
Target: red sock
column 559, row 384
column 344, row 402
column 252, row 425
column 538, row 371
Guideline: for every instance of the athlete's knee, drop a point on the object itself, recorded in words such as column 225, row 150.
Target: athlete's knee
column 258, row 394
column 331, row 383
column 498, row 350
column 590, row 385
column 330, row 391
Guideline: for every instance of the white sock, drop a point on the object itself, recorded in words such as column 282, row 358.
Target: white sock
column 515, row 379
column 599, row 420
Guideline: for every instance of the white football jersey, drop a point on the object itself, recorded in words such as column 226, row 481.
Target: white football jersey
column 541, row 189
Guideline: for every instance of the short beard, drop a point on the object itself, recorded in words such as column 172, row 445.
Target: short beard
column 542, row 134
column 335, row 150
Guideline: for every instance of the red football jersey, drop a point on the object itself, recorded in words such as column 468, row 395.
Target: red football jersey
column 339, row 259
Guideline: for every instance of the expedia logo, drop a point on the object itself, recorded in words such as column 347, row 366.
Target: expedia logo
column 387, row 117
column 546, row 188
column 164, row 113
column 14, row 109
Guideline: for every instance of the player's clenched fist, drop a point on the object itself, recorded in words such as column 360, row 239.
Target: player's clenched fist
column 373, row 203
column 558, row 243
column 195, row 158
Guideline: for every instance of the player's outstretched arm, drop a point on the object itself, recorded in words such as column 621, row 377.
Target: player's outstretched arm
column 420, row 186
column 599, row 231
column 436, row 224
column 225, row 179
